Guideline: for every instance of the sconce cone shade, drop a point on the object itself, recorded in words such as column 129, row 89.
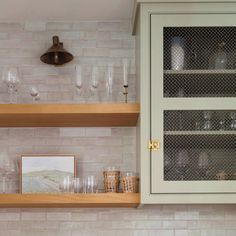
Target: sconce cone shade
column 56, row 54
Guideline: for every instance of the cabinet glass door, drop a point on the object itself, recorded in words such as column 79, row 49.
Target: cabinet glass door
column 193, row 103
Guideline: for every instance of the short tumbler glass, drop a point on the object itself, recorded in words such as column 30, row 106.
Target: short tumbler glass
column 67, row 185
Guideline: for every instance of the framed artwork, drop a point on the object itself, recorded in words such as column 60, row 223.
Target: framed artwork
column 43, row 173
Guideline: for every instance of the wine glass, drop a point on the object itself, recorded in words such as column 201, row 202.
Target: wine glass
column 203, row 164
column 34, row 93
column 182, row 163
column 233, row 120
column 94, row 82
column 222, row 122
column 11, row 77
column 84, row 86
column 207, row 120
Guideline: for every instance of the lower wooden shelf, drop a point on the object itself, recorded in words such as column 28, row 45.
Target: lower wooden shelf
column 69, row 200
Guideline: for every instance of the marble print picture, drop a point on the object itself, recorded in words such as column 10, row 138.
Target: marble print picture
column 44, row 173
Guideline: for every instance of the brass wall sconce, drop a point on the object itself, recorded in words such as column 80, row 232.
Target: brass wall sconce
column 56, row 54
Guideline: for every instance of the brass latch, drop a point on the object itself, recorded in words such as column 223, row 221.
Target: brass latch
column 153, row 145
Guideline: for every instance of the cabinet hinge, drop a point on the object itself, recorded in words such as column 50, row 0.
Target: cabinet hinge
column 153, row 145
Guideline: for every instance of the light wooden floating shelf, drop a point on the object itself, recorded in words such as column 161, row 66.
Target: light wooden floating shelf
column 69, row 200
column 68, row 115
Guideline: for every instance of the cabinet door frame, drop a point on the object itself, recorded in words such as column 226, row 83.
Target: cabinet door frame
column 144, row 12
column 159, row 103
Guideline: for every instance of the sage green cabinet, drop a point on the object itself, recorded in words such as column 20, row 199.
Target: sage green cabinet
column 186, row 63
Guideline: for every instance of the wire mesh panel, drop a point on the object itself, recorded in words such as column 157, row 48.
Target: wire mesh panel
column 199, row 61
column 199, row 145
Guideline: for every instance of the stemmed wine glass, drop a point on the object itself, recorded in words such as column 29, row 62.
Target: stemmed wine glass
column 203, row 164
column 34, row 93
column 86, row 87
column 207, row 120
column 94, row 82
column 182, row 163
column 233, row 120
column 11, row 77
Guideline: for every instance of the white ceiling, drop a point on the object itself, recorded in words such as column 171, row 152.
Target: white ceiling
column 65, row 10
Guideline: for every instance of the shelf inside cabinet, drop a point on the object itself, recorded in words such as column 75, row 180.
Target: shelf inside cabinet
column 69, row 200
column 210, row 132
column 199, row 72
column 200, row 83
column 209, row 139
column 68, row 115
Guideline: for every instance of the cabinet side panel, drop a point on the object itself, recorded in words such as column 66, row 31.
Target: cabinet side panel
column 145, row 101
column 137, row 62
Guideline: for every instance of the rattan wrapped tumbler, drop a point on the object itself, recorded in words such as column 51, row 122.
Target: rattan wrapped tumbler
column 129, row 182
column 111, row 179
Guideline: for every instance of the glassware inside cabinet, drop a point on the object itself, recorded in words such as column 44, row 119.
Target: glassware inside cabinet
column 199, row 60
column 219, row 59
column 206, row 153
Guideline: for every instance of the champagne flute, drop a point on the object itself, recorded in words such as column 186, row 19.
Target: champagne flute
column 78, row 78
column 109, row 80
column 94, row 82
column 126, row 66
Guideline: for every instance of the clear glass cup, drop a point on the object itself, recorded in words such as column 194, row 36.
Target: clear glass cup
column 67, row 185
column 90, row 184
column 203, row 164
column 77, row 185
column 182, row 163
column 8, row 168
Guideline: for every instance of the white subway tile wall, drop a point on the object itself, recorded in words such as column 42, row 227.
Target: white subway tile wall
column 92, row 43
